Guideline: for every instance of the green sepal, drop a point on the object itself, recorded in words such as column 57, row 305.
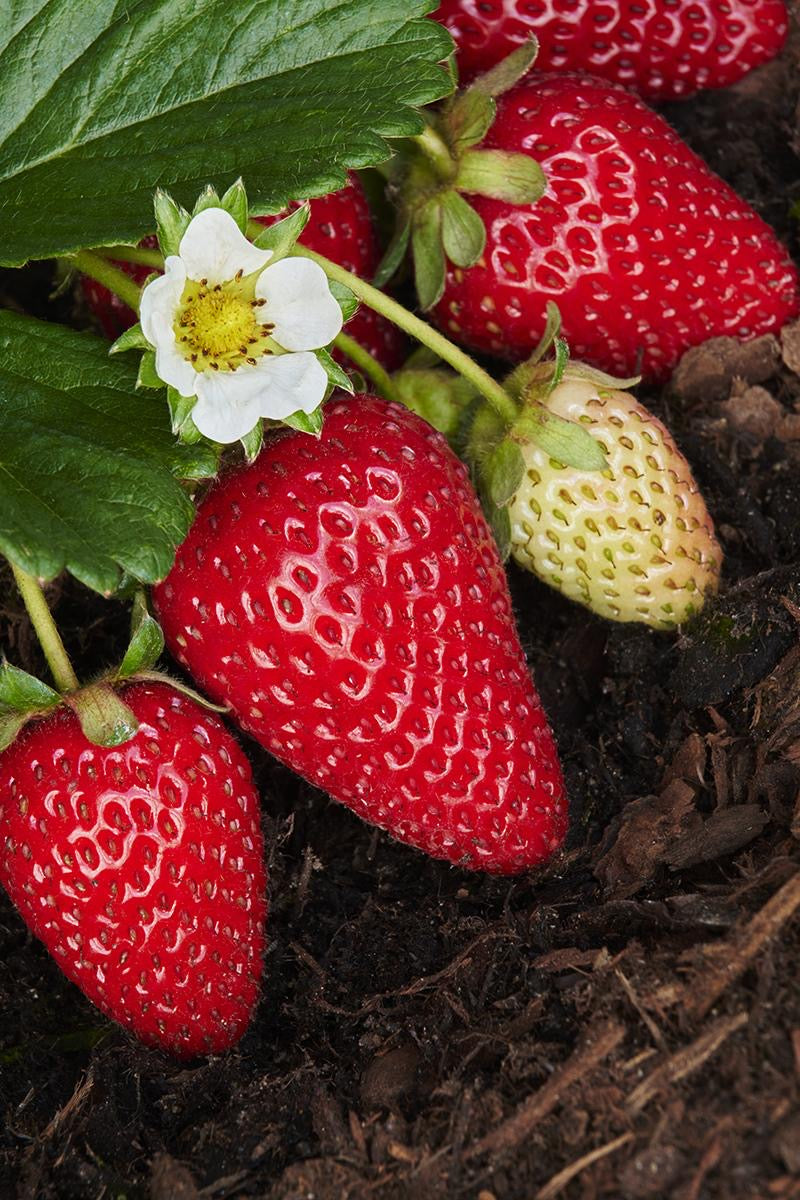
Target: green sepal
column 131, row 339
column 394, row 255
column 501, row 174
column 104, row 718
column 208, row 198
column 560, row 360
column 508, row 71
column 429, row 260
column 336, row 375
column 281, row 237
column 253, row 441
column 564, row 441
column 10, row 725
column 234, row 202
column 503, row 471
column 578, row 370
column 310, row 423
column 463, row 231
column 348, row 301
column 172, row 221
column 440, row 397
column 180, row 411
column 24, row 693
column 468, row 119
column 147, row 641
column 148, row 377
column 500, row 523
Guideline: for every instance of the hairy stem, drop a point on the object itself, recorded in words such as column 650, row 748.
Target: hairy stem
column 143, row 255
column 497, row 396
column 88, row 262
column 368, row 365
column 46, row 631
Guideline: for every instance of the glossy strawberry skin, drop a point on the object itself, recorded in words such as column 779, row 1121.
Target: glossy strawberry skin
column 640, row 245
column 141, row 867
column 345, row 598
column 341, row 228
column 662, row 49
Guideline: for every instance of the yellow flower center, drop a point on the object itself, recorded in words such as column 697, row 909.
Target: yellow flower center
column 216, row 326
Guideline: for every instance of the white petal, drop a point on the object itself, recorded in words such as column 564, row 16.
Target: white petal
column 228, row 405
column 174, row 369
column 290, row 383
column 299, row 304
column 160, row 300
column 159, row 304
column 214, row 248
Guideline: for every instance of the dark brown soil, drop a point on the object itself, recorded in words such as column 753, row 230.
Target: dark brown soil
column 626, row 1024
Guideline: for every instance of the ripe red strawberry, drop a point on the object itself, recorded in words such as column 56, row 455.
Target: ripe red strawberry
column 346, row 599
column 141, row 867
column 341, row 228
column 644, row 250
column 662, row 49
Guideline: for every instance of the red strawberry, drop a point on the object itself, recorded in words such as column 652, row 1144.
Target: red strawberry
column 660, row 48
column 141, row 867
column 346, row 599
column 645, row 251
column 341, row 228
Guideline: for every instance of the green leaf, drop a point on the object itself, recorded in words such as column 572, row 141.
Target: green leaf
column 463, row 231
column 338, row 377
column 100, row 100
column 24, row 693
column 148, row 377
column 172, row 221
column 131, row 339
column 306, row 422
column 281, row 237
column 503, row 175
column 144, row 649
column 440, row 397
column 347, row 301
column 503, row 471
column 89, row 469
column 429, row 261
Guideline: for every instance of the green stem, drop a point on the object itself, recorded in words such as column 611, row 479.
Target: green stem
column 368, row 365
column 437, row 153
column 132, row 254
column 91, row 264
column 46, row 631
column 497, row 396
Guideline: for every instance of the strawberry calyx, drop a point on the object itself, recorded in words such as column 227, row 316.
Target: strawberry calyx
column 495, row 448
column 437, row 167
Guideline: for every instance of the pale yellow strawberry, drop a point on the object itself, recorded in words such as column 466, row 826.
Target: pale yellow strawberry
column 634, row 543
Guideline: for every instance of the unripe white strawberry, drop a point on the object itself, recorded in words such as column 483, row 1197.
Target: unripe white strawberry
column 634, row 542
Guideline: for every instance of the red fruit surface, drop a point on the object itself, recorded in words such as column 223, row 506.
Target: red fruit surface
column 662, row 49
column 141, row 867
column 341, row 228
column 346, row 599
column 645, row 251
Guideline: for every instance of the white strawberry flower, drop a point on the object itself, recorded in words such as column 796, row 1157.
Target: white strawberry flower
column 236, row 333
